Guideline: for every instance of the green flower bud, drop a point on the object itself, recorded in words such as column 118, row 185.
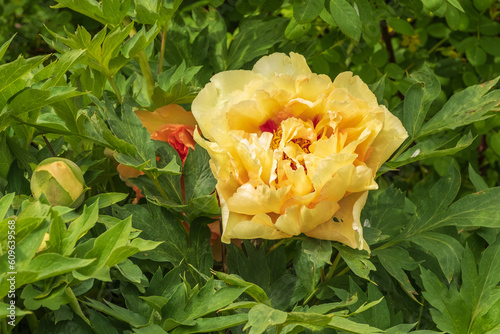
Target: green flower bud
column 60, row 180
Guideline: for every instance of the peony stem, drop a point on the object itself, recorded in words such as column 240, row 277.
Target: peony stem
column 32, row 321
column 49, row 146
column 346, row 269
column 146, row 72
column 4, row 325
column 115, row 89
column 333, row 267
column 420, row 313
column 309, row 297
column 276, row 245
column 101, row 290
column 162, row 48
column 158, row 186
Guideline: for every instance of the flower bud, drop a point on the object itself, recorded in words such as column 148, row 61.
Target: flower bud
column 60, row 180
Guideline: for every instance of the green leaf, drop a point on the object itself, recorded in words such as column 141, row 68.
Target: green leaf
column 328, row 307
column 400, row 26
column 296, row 30
column 480, row 291
column 199, row 253
column 495, row 142
column 482, row 4
column 261, row 317
column 305, row 11
column 346, row 18
column 209, row 325
column 477, row 209
column 130, row 271
column 104, row 245
column 28, row 100
column 114, row 11
column 151, row 11
column 307, row 265
column 29, row 235
column 433, row 5
column 261, row 35
column 370, row 307
column 418, row 99
column 468, row 106
column 52, row 299
column 383, row 212
column 158, row 225
column 349, row 326
column 319, row 251
column 255, row 291
column 88, row 8
column 5, row 203
column 106, row 199
column 445, row 248
column 395, row 260
column 266, row 271
column 53, row 264
column 101, row 133
column 432, row 147
column 357, row 260
column 308, row 319
column 118, row 312
column 456, row 4
column 470, row 310
column 378, row 88
column 139, row 42
column 205, row 206
column 394, row 71
column 430, row 209
column 177, row 75
column 6, row 158
column 475, row 54
column 164, row 286
column 239, row 305
column 477, row 180
column 206, row 301
column 5, row 312
column 198, row 178
column 79, row 227
column 129, row 128
column 5, row 46
column 452, row 16
column 11, row 75
column 63, row 64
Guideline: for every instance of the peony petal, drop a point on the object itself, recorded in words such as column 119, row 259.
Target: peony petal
column 169, row 114
column 279, row 64
column 356, row 87
column 250, row 200
column 250, row 227
column 345, row 227
column 299, row 219
column 321, row 170
column 392, row 135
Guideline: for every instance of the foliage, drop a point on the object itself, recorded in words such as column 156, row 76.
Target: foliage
column 113, row 266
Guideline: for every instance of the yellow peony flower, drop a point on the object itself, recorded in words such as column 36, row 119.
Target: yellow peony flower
column 292, row 151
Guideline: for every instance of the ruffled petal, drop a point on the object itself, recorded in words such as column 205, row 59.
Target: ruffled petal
column 345, row 227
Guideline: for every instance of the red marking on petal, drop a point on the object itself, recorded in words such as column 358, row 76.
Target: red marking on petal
column 269, row 126
column 316, row 120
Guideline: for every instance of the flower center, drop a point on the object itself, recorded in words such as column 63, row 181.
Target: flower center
column 275, row 142
column 302, row 142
